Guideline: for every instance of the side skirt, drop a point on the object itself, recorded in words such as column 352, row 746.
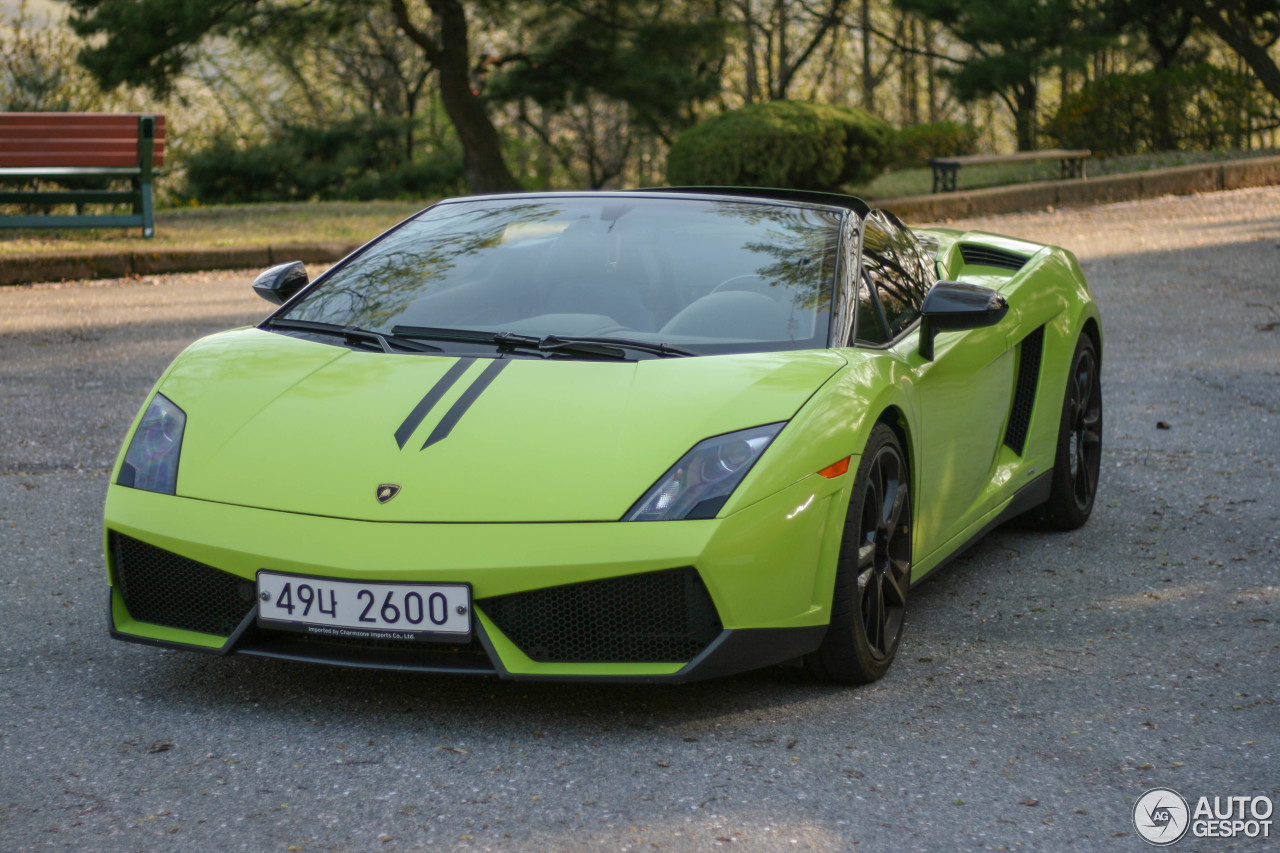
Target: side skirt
column 1028, row 497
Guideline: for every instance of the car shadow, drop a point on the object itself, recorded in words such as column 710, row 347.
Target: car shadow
column 389, row 698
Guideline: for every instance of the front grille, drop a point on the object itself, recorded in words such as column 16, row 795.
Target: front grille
column 168, row 589
column 986, row 256
column 656, row 617
column 1024, row 391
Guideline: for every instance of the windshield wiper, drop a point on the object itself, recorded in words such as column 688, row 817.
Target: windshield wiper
column 511, row 340
column 465, row 336
column 352, row 334
column 604, row 347
column 555, row 342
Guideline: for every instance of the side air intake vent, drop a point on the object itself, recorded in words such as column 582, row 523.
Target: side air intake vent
column 1024, row 392
column 986, row 256
column 655, row 617
column 168, row 589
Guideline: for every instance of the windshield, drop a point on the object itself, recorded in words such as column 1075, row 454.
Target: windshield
column 705, row 276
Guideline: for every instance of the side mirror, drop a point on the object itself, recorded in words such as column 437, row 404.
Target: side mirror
column 951, row 306
column 280, row 282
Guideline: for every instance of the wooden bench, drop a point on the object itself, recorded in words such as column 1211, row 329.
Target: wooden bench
column 945, row 168
column 94, row 149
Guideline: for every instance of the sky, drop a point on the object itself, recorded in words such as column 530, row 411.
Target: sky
column 39, row 10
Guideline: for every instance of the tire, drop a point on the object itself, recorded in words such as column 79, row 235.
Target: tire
column 1078, row 457
column 873, row 573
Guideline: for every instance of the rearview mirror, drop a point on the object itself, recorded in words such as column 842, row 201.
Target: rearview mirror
column 280, row 282
column 952, row 306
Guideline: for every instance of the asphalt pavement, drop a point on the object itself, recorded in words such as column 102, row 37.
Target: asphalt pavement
column 1044, row 683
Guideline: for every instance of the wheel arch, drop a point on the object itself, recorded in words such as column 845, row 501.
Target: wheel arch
column 852, row 651
column 1094, row 331
column 896, row 419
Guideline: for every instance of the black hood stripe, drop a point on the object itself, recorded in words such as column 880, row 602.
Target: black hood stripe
column 433, row 396
column 464, row 402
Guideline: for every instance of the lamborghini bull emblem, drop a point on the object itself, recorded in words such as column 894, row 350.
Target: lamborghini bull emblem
column 387, row 491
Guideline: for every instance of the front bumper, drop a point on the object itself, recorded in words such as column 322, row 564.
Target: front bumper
column 765, row 575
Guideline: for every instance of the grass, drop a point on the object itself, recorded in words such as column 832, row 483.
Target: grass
column 224, row 225
column 909, row 182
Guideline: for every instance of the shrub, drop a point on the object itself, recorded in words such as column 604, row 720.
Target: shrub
column 226, row 172
column 914, row 145
column 355, row 160
column 781, row 144
column 1200, row 107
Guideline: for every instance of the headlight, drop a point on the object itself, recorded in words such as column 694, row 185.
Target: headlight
column 151, row 462
column 699, row 484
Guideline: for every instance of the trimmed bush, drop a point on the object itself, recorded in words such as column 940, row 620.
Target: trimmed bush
column 914, row 145
column 356, row 160
column 788, row 144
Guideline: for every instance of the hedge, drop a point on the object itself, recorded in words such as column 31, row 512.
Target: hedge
column 788, row 144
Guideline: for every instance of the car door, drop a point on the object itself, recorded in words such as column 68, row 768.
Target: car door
column 963, row 394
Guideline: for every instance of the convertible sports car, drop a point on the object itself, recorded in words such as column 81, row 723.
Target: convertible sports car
column 652, row 436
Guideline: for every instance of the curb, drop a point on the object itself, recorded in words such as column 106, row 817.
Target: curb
column 1179, row 180
column 76, row 266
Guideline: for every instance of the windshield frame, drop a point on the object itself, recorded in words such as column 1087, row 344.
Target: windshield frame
column 849, row 210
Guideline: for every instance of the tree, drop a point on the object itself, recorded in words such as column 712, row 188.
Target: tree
column 1186, row 108
column 607, row 75
column 629, row 52
column 1164, row 27
column 1249, row 27
column 1013, row 43
column 448, row 50
column 38, row 71
column 1165, row 30
column 365, row 64
column 780, row 38
column 871, row 75
column 151, row 42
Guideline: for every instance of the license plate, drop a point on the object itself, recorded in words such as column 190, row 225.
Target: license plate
column 358, row 609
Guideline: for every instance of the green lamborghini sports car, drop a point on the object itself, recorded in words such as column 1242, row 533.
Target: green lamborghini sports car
column 653, row 435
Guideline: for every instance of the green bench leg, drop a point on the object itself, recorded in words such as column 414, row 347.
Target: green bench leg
column 146, row 145
column 944, row 178
column 1072, row 169
column 148, row 215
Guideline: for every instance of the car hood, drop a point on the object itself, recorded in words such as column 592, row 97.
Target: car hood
column 287, row 424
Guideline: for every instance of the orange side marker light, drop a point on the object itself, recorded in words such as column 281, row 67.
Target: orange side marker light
column 836, row 469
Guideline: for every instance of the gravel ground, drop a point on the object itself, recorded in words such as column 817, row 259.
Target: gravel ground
column 1045, row 681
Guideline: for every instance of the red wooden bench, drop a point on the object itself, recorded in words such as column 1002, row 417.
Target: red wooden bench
column 101, row 147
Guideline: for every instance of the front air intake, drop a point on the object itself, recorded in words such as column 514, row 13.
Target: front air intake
column 655, row 617
column 168, row 589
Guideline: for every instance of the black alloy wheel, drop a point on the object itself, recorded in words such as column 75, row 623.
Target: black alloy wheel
column 1084, row 449
column 1078, row 458
column 873, row 574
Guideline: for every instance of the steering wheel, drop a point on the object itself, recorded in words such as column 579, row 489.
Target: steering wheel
column 748, row 282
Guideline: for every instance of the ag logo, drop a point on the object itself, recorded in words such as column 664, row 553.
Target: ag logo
column 1161, row 816
column 386, row 492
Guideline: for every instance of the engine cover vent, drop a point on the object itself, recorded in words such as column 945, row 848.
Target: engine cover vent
column 985, row 256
